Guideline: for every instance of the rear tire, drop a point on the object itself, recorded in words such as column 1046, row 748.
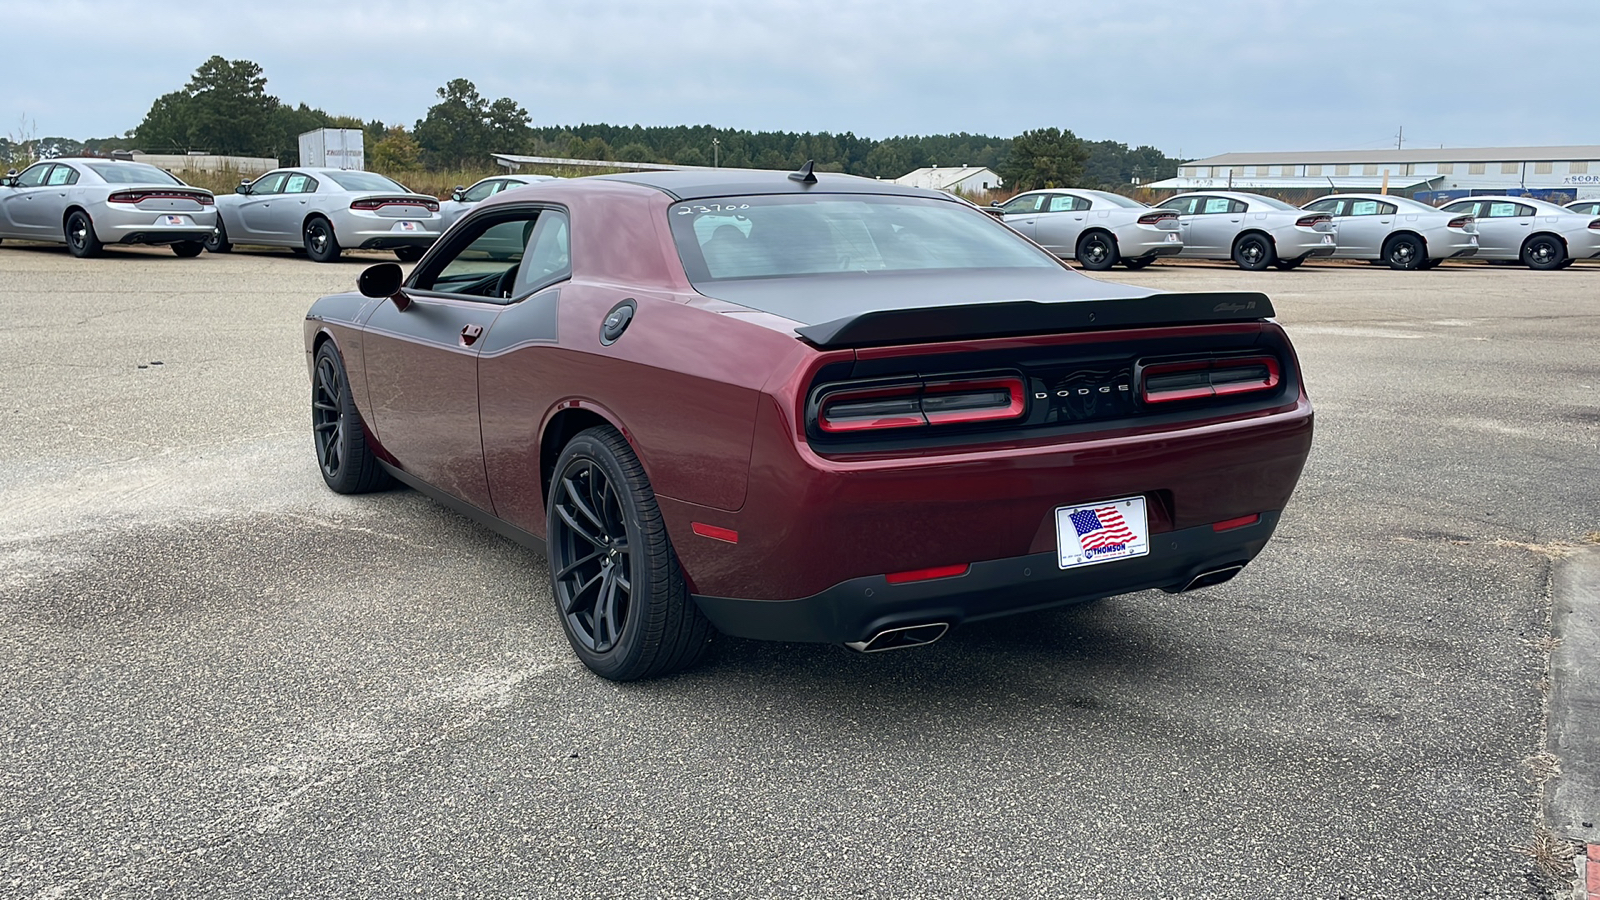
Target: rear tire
column 321, row 244
column 1142, row 262
column 1254, row 252
column 187, row 249
column 346, row 461
column 1287, row 264
column 81, row 239
column 1097, row 251
column 1544, row 252
column 617, row 584
column 1404, row 253
column 409, row 254
column 217, row 241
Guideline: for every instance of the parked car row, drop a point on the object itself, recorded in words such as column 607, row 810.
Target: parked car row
column 1099, row 229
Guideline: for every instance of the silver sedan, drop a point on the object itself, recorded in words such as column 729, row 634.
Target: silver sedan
column 325, row 212
column 463, row 199
column 1590, row 207
column 1253, row 231
column 88, row 203
column 1539, row 234
column 1097, row 228
column 1404, row 233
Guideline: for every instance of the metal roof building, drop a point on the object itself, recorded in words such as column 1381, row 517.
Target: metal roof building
column 969, row 179
column 1572, row 171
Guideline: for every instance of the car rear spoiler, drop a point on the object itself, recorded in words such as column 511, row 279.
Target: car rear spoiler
column 1024, row 317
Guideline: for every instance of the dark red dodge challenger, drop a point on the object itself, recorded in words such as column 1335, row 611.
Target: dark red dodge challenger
column 805, row 407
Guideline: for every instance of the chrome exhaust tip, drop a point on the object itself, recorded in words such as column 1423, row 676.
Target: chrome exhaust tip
column 901, row 638
column 1215, row 576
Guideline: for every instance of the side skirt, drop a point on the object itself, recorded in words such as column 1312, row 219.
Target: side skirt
column 498, row 526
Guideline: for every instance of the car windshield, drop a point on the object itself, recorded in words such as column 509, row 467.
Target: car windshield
column 790, row 236
column 1119, row 200
column 131, row 173
column 1274, row 204
column 364, row 181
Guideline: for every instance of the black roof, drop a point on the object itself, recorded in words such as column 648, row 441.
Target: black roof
column 693, row 184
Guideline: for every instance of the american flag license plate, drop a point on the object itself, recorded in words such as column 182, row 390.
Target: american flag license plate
column 1102, row 532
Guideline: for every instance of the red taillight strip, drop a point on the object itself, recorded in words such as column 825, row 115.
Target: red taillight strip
column 1231, row 524
column 1314, row 221
column 1595, row 224
column 1157, row 218
column 138, row 196
column 715, row 533
column 927, row 574
column 906, row 420
column 1210, row 388
column 374, row 204
column 915, row 415
column 1461, row 222
column 1013, row 409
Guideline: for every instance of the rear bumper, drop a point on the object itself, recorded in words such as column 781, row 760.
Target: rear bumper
column 138, row 226
column 855, row 610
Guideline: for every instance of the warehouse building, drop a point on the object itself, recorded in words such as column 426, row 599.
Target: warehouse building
column 966, row 179
column 1431, row 175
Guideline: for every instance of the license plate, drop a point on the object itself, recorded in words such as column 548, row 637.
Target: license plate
column 1172, row 238
column 406, row 226
column 1327, row 239
column 174, row 220
column 1102, row 532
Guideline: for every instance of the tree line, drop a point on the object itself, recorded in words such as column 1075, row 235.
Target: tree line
column 225, row 109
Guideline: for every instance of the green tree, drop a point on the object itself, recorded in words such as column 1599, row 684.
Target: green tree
column 635, row 152
column 455, row 130
column 396, row 152
column 1042, row 158
column 506, row 127
column 228, row 109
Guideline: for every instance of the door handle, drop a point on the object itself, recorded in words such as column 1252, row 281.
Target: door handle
column 470, row 334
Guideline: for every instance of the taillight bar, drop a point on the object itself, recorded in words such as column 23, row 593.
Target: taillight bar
column 1314, row 221
column 137, row 196
column 374, row 203
column 1464, row 222
column 949, row 401
column 1595, row 224
column 1156, row 218
column 1204, row 378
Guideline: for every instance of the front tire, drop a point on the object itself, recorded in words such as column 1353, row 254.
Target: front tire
column 1405, row 253
column 1254, row 252
column 346, row 461
column 321, row 243
column 187, row 249
column 81, row 239
column 217, row 241
column 1544, row 252
column 617, row 584
column 1097, row 251
column 408, row 254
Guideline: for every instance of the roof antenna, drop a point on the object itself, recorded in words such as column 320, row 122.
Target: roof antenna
column 805, row 175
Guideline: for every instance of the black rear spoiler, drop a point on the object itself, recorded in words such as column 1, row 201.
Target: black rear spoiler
column 1025, row 317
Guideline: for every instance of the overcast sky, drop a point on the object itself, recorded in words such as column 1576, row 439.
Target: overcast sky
column 1193, row 79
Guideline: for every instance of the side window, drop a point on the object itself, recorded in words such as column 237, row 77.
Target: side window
column 1065, row 203
column 62, row 175
column 1238, row 206
column 549, row 257
column 271, row 183
column 1215, row 205
column 299, row 183
column 33, row 176
column 484, row 260
column 1524, row 212
column 1463, row 208
column 1183, row 206
column 1364, row 208
column 1387, row 209
column 480, row 191
column 1323, row 206
column 1504, row 210
column 1028, row 203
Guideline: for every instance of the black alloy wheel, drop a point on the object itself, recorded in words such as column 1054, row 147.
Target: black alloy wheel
column 81, row 239
column 347, row 463
column 187, row 249
column 1544, row 252
column 1097, row 251
column 1140, row 263
column 1405, row 253
column 321, row 244
column 616, row 580
column 217, row 241
column 408, row 254
column 1254, row 252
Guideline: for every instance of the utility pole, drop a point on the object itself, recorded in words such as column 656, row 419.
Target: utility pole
column 1400, row 139
column 716, row 156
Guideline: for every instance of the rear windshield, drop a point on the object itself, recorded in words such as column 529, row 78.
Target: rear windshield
column 364, row 181
column 790, row 236
column 1275, row 204
column 131, row 173
column 1119, row 200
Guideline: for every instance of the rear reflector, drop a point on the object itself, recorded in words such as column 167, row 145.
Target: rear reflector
column 715, row 533
column 927, row 574
column 1199, row 379
column 914, row 405
column 1242, row 521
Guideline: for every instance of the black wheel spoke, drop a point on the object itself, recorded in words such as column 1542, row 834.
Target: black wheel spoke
column 577, row 564
column 579, row 530
column 584, row 508
column 574, row 600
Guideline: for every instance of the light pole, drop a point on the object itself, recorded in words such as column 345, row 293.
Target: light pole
column 716, row 145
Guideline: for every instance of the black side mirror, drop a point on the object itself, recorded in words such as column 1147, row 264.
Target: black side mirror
column 243, row 188
column 457, row 193
column 995, row 203
column 383, row 281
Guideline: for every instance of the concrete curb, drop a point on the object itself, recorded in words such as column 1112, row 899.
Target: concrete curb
column 1572, row 800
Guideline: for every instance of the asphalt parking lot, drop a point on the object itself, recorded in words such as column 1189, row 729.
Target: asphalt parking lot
column 219, row 679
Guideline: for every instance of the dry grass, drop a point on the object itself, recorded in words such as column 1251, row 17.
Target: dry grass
column 1552, row 855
